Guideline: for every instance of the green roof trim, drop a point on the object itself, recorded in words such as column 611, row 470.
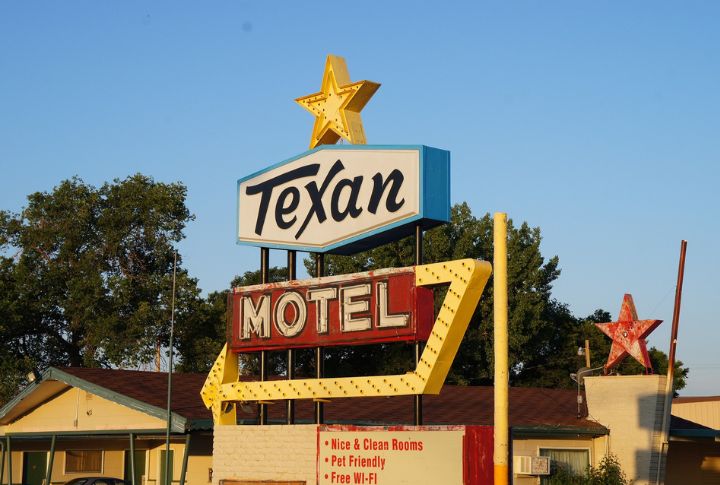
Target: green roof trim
column 179, row 424
column 20, row 396
column 110, row 433
column 550, row 430
column 517, row 431
column 695, row 433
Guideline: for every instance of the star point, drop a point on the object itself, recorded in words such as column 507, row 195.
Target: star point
column 337, row 105
column 628, row 335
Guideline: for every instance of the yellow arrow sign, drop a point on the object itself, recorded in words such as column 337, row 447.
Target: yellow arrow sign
column 467, row 278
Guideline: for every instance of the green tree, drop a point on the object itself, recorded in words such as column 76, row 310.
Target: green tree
column 544, row 335
column 201, row 336
column 534, row 318
column 86, row 275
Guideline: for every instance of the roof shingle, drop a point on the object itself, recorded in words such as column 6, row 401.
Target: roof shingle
column 529, row 407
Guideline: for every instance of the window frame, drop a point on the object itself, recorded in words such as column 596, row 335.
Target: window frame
column 565, row 448
column 84, row 472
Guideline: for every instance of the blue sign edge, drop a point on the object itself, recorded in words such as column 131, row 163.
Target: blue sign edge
column 434, row 204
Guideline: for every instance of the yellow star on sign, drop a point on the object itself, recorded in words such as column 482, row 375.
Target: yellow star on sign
column 338, row 104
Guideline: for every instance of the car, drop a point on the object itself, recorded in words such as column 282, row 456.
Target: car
column 95, row 481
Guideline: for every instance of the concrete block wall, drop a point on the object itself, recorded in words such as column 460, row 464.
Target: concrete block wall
column 631, row 407
column 277, row 452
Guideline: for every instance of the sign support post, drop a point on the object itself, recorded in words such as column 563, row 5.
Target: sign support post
column 319, row 353
column 291, row 269
column 500, row 316
column 264, row 278
column 418, row 403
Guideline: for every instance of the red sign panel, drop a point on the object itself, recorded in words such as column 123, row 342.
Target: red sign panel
column 361, row 308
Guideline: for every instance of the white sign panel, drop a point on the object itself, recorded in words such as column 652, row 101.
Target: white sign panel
column 383, row 457
column 332, row 197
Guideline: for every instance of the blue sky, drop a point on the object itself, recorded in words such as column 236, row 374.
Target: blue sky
column 596, row 121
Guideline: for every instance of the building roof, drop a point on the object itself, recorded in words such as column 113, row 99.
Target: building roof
column 139, row 390
column 150, row 388
column 692, row 399
column 696, row 417
column 533, row 411
column 684, row 428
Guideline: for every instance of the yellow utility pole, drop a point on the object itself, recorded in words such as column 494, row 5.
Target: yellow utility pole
column 500, row 314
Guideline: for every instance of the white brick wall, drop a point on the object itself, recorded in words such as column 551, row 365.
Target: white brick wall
column 631, row 407
column 274, row 452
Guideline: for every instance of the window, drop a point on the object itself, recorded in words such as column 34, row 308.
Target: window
column 575, row 461
column 83, row 461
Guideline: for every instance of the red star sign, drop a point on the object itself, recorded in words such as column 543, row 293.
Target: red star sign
column 628, row 335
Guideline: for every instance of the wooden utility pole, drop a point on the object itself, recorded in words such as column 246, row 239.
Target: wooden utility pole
column 671, row 366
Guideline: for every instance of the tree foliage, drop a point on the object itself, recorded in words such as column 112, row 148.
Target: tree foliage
column 607, row 472
column 533, row 314
column 86, row 274
column 86, row 279
column 544, row 336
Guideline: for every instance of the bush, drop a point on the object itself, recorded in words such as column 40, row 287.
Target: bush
column 559, row 475
column 608, row 472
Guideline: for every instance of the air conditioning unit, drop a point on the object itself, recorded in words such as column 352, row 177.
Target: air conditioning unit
column 531, row 465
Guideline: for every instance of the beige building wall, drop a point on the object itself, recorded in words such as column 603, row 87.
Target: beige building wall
column 706, row 413
column 78, row 410
column 631, row 407
column 198, row 468
column 112, row 459
column 693, row 462
column 113, row 465
column 285, row 453
column 531, row 447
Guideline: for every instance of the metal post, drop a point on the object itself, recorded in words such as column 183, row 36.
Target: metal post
column 169, row 382
column 48, row 472
column 290, row 375
column 671, row 366
column 183, row 470
column 319, row 352
column 2, row 462
column 291, row 267
column 9, row 453
column 132, row 459
column 500, row 314
column 418, row 401
column 265, row 278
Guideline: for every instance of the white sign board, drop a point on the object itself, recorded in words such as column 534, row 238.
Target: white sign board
column 332, row 199
column 382, row 457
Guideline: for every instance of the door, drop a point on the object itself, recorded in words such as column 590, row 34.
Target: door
column 139, row 467
column 34, row 467
column 166, row 479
